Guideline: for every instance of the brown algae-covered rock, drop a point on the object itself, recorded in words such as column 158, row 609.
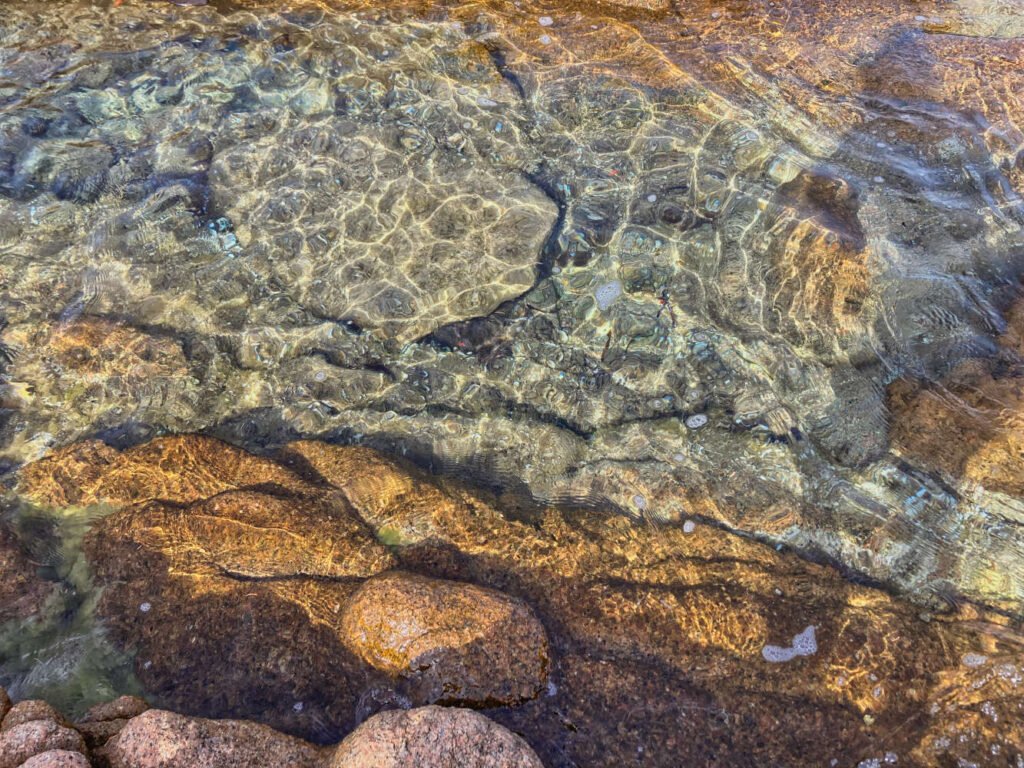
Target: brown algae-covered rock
column 442, row 737
column 458, row 642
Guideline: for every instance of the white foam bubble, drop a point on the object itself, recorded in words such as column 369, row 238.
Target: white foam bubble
column 804, row 644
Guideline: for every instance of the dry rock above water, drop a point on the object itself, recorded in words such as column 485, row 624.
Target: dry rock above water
column 302, row 590
column 159, row 739
column 436, row 736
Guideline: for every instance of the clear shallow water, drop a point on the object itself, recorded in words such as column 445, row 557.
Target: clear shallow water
column 742, row 265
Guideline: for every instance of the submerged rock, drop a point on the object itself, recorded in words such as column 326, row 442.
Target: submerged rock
column 22, row 592
column 456, row 642
column 691, row 640
column 435, row 736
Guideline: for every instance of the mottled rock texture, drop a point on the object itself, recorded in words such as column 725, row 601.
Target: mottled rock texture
column 444, row 737
column 30, row 711
column 22, row 592
column 57, row 758
column 36, row 737
column 159, row 739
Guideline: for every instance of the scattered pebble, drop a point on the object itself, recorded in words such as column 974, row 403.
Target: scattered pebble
column 696, row 421
column 545, row 21
column 145, row 607
column 689, row 526
column 545, row 39
column 483, row 101
column 652, row 198
column 640, row 502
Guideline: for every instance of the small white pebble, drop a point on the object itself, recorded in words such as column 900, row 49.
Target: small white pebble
column 298, row 706
column 689, row 526
column 696, row 421
column 640, row 502
column 879, row 180
column 545, row 21
column 545, row 39
column 652, row 198
column 145, row 607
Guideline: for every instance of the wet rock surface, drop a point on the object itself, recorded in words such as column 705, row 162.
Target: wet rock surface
column 636, row 249
column 457, row 642
column 699, row 646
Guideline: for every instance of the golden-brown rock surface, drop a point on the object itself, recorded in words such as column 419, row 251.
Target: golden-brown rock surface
column 458, row 642
column 679, row 642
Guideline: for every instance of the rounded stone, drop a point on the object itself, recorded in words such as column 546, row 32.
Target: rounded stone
column 121, row 707
column 28, row 739
column 455, row 642
column 30, row 711
column 57, row 758
column 159, row 739
column 440, row 737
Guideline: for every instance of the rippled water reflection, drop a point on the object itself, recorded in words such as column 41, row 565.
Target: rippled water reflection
column 751, row 264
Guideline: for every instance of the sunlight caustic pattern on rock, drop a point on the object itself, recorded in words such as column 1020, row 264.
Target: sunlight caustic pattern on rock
column 534, row 252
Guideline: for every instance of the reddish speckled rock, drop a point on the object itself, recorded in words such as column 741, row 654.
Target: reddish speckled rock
column 30, row 711
column 439, row 737
column 57, row 758
column 159, row 739
column 23, row 741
